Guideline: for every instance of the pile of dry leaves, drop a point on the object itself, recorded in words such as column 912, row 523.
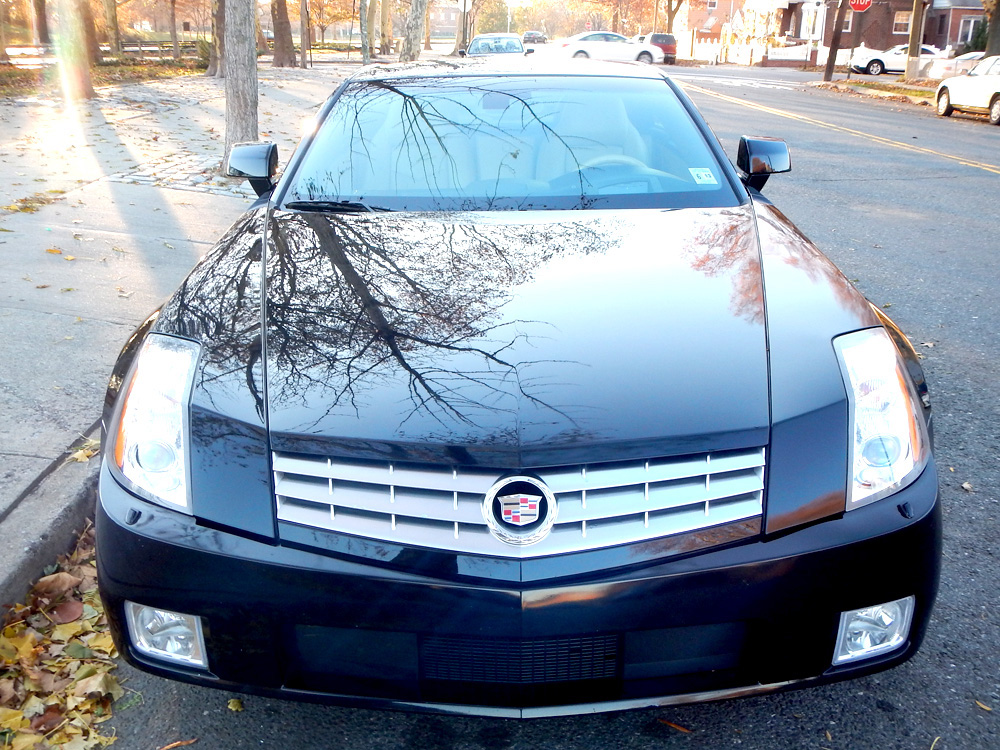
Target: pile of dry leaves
column 56, row 655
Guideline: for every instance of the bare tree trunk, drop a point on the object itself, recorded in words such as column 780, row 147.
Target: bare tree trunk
column 4, row 57
column 305, row 37
column 93, row 47
column 284, row 48
column 241, row 74
column 412, row 31
column 40, row 23
column 366, row 50
column 460, row 41
column 216, row 54
column 427, row 29
column 373, row 17
column 385, row 45
column 111, row 21
column 993, row 30
column 73, row 52
column 173, row 29
column 262, row 47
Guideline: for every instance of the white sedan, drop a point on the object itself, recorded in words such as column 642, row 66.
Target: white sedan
column 976, row 91
column 892, row 60
column 606, row 45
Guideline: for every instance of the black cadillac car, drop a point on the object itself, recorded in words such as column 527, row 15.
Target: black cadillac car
column 513, row 397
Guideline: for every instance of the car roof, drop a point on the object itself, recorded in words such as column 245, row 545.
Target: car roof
column 507, row 65
column 496, row 35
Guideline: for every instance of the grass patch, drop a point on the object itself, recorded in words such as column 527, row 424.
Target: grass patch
column 897, row 88
column 45, row 82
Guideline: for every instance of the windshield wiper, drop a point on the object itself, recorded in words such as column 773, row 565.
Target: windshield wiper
column 340, row 207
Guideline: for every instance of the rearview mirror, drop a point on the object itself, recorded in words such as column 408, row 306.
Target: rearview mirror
column 758, row 158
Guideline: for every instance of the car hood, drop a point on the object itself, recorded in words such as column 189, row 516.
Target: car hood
column 515, row 339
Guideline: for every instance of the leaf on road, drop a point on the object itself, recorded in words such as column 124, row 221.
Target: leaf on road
column 182, row 743
column 678, row 727
column 967, row 486
column 53, row 250
column 983, row 706
column 235, row 704
column 928, row 344
column 82, row 456
column 69, row 257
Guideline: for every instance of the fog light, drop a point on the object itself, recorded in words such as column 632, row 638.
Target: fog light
column 872, row 631
column 165, row 635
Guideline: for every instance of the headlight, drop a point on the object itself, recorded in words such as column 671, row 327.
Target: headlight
column 150, row 447
column 889, row 445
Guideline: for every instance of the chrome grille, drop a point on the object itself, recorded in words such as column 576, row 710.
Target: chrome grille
column 600, row 505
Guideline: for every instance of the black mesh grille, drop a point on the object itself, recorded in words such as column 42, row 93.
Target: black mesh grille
column 520, row 661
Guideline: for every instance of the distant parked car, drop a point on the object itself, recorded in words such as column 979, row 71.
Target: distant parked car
column 495, row 44
column 976, row 91
column 953, row 66
column 665, row 42
column 606, row 45
column 534, row 37
column 893, row 60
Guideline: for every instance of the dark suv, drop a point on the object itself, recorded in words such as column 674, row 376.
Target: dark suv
column 666, row 42
column 534, row 37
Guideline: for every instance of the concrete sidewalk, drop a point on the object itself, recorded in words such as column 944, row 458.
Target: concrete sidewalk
column 125, row 198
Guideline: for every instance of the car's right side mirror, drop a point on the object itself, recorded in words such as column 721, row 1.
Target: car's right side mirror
column 759, row 157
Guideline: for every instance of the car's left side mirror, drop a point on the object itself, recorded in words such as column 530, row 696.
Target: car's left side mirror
column 529, row 51
column 258, row 162
column 462, row 53
column 758, row 158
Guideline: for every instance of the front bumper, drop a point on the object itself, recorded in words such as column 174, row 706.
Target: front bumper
column 296, row 623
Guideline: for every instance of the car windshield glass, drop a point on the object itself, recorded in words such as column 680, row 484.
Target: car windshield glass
column 495, row 46
column 511, row 143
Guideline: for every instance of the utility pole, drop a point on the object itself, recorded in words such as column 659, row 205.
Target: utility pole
column 913, row 50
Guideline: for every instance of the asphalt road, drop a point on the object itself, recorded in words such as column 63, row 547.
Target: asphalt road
column 905, row 203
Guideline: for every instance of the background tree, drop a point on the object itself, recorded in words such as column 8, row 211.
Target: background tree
column 385, row 41
column 240, row 59
column 284, row 48
column 173, row 30
column 111, row 22
column 373, row 17
column 73, row 52
column 40, row 23
column 993, row 27
column 366, row 50
column 216, row 54
column 413, row 31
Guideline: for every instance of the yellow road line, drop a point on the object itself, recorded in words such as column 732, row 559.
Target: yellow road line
column 850, row 131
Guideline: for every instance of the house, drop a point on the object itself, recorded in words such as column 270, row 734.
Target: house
column 953, row 23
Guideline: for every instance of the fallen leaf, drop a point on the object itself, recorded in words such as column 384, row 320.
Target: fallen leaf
column 235, row 704
column 47, row 721
column 81, row 456
column 678, row 727
column 66, row 612
column 182, row 743
column 829, row 737
column 983, row 706
column 69, row 257
column 42, row 286
column 56, row 584
column 967, row 486
column 53, row 250
column 928, row 344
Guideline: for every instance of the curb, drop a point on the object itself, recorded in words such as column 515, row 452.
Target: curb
column 43, row 523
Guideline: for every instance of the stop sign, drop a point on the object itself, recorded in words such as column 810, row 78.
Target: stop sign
column 588, row 25
column 860, row 6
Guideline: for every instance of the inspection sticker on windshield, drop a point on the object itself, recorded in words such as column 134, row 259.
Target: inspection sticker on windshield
column 703, row 176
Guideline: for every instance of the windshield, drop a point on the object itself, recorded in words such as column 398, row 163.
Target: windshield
column 495, row 46
column 511, row 143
